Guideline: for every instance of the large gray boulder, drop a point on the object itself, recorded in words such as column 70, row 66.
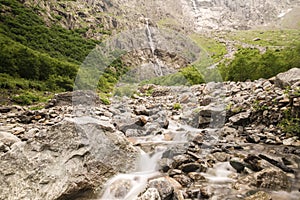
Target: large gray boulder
column 70, row 160
column 287, row 78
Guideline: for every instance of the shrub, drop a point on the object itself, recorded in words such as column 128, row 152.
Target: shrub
column 26, row 98
column 251, row 64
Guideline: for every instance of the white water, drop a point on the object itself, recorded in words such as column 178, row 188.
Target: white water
column 129, row 186
column 219, row 173
column 284, row 13
column 157, row 63
column 150, row 38
column 194, row 5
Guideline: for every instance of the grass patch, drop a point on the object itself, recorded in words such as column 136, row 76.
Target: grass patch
column 211, row 47
column 267, row 38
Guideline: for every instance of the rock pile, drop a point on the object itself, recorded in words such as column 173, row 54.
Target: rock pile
column 223, row 140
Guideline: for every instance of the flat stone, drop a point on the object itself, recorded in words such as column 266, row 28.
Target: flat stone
column 240, row 119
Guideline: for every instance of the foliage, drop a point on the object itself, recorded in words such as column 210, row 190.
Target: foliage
column 21, row 62
column 192, row 75
column 26, row 98
column 291, row 125
column 211, row 47
column 104, row 99
column 250, row 64
column 176, row 106
column 185, row 76
column 30, row 50
column 23, row 25
column 11, row 83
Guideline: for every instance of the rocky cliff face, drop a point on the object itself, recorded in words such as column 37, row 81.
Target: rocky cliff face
column 234, row 14
column 182, row 15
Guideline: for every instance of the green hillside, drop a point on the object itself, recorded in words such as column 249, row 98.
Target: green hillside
column 49, row 56
column 37, row 56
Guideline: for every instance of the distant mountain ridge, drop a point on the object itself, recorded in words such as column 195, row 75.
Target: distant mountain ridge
column 96, row 16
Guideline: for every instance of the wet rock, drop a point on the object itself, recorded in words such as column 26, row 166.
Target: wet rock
column 65, row 160
column 205, row 193
column 150, row 194
column 221, row 156
column 184, row 180
column 18, row 130
column 290, row 141
column 191, row 167
column 253, row 139
column 180, row 159
column 163, row 187
column 3, row 148
column 277, row 163
column 269, row 178
column 253, row 163
column 237, row 165
column 196, row 177
column 260, row 195
column 5, row 109
column 272, row 179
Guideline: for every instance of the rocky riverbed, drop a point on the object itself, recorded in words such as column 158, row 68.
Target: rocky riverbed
column 209, row 141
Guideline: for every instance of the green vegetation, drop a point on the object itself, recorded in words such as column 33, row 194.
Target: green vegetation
column 47, row 56
column 176, row 106
column 290, row 123
column 251, row 64
column 23, row 25
column 189, row 75
column 18, row 60
column 291, row 126
column 257, row 106
column 36, row 57
column 211, row 47
column 266, row 38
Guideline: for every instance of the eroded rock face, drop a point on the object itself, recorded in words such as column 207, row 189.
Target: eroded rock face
column 71, row 159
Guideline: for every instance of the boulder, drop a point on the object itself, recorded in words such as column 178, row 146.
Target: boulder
column 270, row 178
column 241, row 119
column 150, row 194
column 163, row 186
column 288, row 78
column 69, row 160
column 8, row 138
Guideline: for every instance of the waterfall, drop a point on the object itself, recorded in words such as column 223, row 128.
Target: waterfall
column 129, row 186
column 157, row 63
column 150, row 38
column 194, row 5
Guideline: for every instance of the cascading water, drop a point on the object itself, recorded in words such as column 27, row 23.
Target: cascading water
column 157, row 63
column 194, row 5
column 129, row 186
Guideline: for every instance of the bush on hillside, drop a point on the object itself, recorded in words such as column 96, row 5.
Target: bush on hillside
column 251, row 64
